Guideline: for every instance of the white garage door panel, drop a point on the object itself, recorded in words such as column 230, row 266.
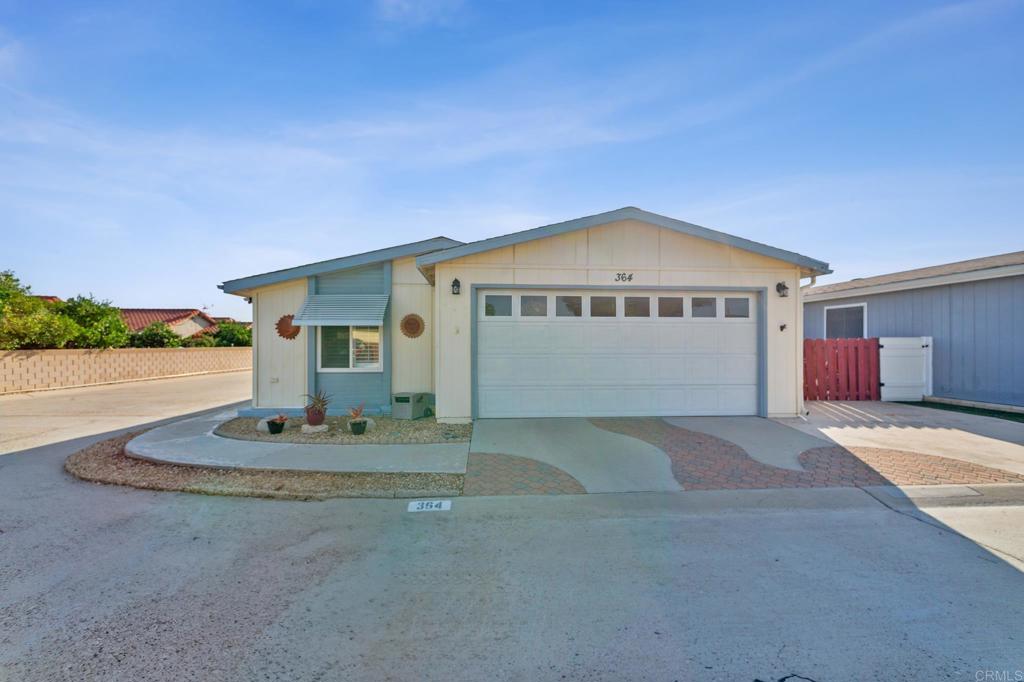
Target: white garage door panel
column 581, row 366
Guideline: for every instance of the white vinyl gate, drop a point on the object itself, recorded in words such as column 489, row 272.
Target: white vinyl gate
column 562, row 353
column 905, row 367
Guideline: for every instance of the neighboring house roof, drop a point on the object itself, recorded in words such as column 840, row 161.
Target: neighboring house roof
column 989, row 267
column 48, row 299
column 234, row 286
column 809, row 265
column 138, row 319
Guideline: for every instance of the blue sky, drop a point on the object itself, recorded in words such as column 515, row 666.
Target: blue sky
column 149, row 151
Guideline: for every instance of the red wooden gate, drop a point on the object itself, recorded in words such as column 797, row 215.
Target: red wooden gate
column 841, row 369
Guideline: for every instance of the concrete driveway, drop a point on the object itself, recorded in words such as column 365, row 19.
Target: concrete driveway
column 602, row 462
column 988, row 441
column 29, row 420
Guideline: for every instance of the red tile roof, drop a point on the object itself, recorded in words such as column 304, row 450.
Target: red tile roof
column 138, row 319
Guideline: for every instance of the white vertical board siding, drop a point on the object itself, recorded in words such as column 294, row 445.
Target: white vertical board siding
column 593, row 257
column 582, row 366
column 280, row 364
column 412, row 360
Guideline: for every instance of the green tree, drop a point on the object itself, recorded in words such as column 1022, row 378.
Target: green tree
column 11, row 286
column 100, row 323
column 156, row 335
column 30, row 322
column 233, row 334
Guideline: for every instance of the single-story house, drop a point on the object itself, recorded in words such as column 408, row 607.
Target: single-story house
column 972, row 309
column 621, row 313
column 184, row 322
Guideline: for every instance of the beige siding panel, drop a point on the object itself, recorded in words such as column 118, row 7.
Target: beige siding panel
column 686, row 251
column 549, row 275
column 627, row 243
column 412, row 359
column 404, row 271
column 656, row 257
column 502, row 256
column 561, row 250
column 280, row 363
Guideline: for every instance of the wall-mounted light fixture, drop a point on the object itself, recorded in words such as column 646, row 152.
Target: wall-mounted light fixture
column 782, row 289
column 456, row 287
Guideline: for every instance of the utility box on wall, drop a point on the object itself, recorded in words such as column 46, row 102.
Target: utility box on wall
column 412, row 405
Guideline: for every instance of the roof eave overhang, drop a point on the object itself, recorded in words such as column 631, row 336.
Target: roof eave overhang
column 809, row 266
column 243, row 286
column 919, row 283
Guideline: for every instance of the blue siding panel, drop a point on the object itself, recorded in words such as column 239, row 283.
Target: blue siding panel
column 977, row 330
column 348, row 389
column 364, row 280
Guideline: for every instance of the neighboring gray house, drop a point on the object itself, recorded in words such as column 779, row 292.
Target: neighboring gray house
column 973, row 310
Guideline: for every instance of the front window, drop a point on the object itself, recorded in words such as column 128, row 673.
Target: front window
column 844, row 323
column 349, row 348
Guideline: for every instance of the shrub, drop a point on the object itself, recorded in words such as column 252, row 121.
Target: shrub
column 233, row 334
column 200, row 340
column 29, row 322
column 100, row 323
column 156, row 335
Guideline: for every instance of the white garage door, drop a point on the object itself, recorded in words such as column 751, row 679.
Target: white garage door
column 614, row 353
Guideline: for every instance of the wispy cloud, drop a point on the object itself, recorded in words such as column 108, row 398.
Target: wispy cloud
column 419, row 12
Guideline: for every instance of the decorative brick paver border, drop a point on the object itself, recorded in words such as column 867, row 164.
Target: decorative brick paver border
column 495, row 474
column 704, row 462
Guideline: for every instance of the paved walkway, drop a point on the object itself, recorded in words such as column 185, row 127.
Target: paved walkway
column 28, row 420
column 764, row 440
column 988, row 441
column 488, row 474
column 191, row 442
column 701, row 461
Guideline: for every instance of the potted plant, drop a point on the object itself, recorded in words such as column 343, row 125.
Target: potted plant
column 356, row 420
column 276, row 424
column 316, row 410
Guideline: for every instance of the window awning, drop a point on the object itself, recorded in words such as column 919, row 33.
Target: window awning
column 327, row 310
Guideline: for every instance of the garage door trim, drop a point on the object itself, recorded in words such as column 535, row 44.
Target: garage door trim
column 762, row 326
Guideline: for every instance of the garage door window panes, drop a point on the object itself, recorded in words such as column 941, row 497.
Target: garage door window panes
column 637, row 306
column 737, row 307
column 496, row 305
column 703, row 307
column 533, row 306
column 568, row 306
column 670, row 306
column 602, row 306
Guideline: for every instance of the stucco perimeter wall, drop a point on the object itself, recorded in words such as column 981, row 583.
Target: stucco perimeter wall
column 656, row 257
column 37, row 370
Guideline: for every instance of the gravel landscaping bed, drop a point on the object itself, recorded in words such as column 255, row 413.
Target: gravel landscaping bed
column 106, row 462
column 386, row 431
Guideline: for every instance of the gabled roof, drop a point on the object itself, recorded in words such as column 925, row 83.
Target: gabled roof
column 322, row 267
column 138, row 319
column 809, row 265
column 1003, row 265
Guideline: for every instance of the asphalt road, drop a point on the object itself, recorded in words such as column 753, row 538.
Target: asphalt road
column 28, row 420
column 106, row 583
